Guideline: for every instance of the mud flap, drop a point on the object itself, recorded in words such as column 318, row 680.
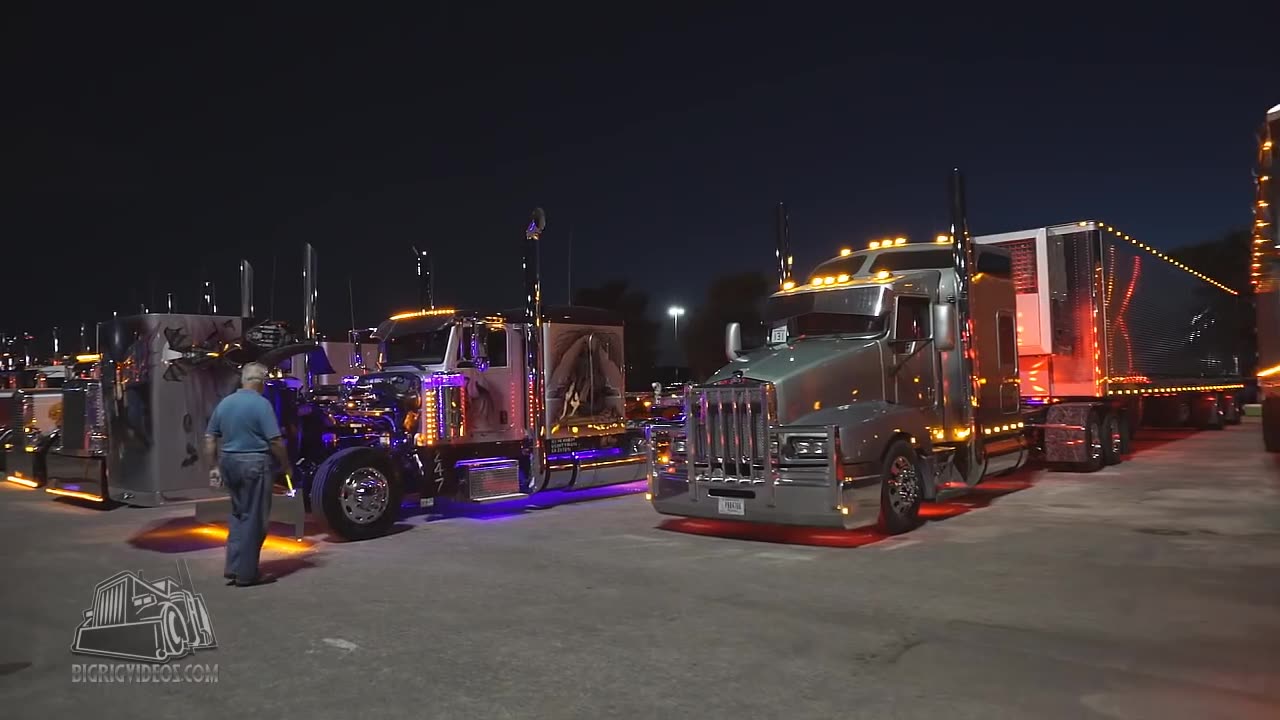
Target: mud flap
column 1064, row 433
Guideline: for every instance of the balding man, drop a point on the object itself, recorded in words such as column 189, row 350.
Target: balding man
column 243, row 434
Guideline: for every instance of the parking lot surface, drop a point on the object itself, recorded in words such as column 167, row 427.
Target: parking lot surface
column 1147, row 590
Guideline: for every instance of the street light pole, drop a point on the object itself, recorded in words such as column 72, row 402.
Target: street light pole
column 675, row 311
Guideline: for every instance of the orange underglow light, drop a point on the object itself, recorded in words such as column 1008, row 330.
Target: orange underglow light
column 73, row 494
column 19, row 480
column 217, row 532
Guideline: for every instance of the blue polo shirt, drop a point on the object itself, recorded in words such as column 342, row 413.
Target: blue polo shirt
column 245, row 422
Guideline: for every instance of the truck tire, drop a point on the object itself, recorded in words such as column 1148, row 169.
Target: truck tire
column 901, row 488
column 1112, row 440
column 356, row 493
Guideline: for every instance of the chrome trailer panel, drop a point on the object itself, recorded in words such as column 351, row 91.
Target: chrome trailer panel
column 156, row 408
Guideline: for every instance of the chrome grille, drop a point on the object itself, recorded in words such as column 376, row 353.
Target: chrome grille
column 492, row 479
column 727, row 431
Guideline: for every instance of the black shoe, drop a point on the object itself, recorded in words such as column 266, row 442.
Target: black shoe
column 262, row 579
column 231, row 578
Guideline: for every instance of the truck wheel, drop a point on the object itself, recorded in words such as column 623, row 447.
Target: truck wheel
column 1093, row 444
column 901, row 487
column 356, row 493
column 1112, row 440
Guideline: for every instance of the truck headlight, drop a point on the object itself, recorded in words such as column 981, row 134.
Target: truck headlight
column 806, row 448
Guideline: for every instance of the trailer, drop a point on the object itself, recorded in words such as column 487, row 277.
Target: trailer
column 905, row 371
column 1264, row 273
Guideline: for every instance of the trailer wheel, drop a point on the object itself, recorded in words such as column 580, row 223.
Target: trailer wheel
column 901, row 488
column 1209, row 416
column 1112, row 440
column 356, row 493
column 1230, row 410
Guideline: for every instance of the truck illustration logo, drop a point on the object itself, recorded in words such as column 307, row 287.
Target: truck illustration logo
column 150, row 621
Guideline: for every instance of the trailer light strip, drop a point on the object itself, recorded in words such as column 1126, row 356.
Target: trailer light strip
column 1183, row 388
column 422, row 313
column 17, row 480
column 73, row 494
column 1163, row 256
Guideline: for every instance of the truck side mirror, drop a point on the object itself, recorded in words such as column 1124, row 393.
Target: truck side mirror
column 944, row 327
column 733, row 341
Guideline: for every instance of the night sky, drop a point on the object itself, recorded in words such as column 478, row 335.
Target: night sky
column 144, row 153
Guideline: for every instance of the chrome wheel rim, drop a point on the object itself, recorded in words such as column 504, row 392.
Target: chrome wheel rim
column 363, row 495
column 1114, row 437
column 1095, row 442
column 904, row 485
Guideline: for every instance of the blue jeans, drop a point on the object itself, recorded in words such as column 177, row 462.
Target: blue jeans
column 247, row 477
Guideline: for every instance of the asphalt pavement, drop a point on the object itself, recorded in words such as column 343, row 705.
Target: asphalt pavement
column 1147, row 590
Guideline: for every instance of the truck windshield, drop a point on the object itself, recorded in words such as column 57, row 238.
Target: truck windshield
column 818, row 323
column 427, row 347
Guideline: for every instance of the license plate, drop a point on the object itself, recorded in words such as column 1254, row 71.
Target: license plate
column 732, row 506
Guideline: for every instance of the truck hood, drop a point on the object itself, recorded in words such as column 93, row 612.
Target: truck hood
column 813, row 374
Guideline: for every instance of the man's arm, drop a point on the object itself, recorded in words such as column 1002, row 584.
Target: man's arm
column 211, row 435
column 281, row 454
column 271, row 430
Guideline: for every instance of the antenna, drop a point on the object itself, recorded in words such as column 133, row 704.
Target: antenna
column 569, row 262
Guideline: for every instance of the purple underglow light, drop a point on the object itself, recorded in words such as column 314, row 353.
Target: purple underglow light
column 507, row 509
column 1033, row 401
column 71, row 486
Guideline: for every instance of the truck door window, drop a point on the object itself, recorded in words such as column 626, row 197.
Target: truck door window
column 912, row 322
column 1006, row 339
column 496, row 345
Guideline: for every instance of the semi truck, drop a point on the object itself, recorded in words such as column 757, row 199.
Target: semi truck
column 903, row 372
column 1264, row 273
column 463, row 405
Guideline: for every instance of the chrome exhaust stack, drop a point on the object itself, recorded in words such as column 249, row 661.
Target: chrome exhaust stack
column 782, row 251
column 962, row 259
column 309, row 301
column 246, row 289
column 534, row 432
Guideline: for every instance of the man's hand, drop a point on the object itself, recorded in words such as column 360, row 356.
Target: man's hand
column 215, row 478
